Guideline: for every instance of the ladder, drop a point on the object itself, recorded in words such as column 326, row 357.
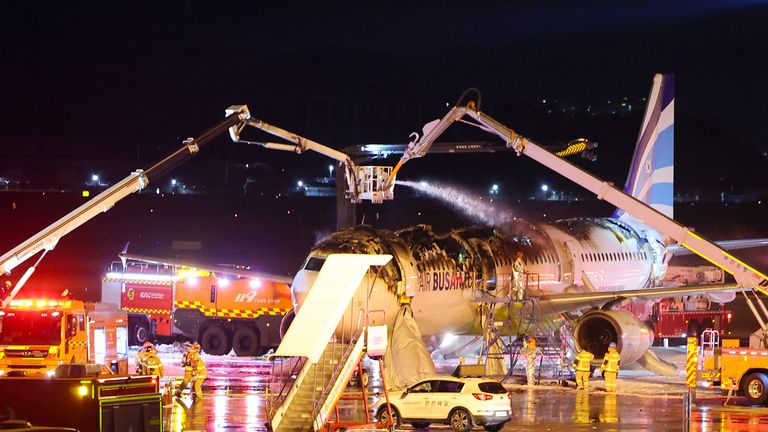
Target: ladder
column 321, row 348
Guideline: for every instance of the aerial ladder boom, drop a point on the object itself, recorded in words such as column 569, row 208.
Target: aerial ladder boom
column 47, row 239
column 747, row 277
column 363, row 182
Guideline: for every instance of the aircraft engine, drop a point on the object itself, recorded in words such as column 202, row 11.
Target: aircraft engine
column 595, row 330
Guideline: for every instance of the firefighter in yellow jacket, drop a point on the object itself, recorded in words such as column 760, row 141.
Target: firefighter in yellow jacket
column 199, row 375
column 583, row 370
column 147, row 361
column 610, row 367
column 189, row 368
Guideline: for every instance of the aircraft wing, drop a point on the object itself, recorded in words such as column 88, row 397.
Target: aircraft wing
column 678, row 250
column 208, row 267
column 559, row 303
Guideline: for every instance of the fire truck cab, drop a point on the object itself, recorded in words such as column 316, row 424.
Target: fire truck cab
column 37, row 335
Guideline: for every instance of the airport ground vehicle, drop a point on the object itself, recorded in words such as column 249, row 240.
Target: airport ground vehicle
column 458, row 402
column 734, row 368
column 679, row 317
column 220, row 312
column 79, row 397
column 37, row 335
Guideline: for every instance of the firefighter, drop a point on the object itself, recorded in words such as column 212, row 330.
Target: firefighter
column 152, row 364
column 199, row 374
column 610, row 367
column 189, row 368
column 529, row 350
column 583, row 369
column 518, row 268
column 141, row 357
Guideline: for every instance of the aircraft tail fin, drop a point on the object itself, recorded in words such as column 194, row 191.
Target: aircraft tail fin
column 651, row 175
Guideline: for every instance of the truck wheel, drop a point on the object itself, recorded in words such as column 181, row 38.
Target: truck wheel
column 756, row 388
column 214, row 341
column 245, row 342
column 140, row 332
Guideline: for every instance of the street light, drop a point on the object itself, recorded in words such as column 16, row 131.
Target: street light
column 300, row 183
column 544, row 188
column 173, row 182
column 330, row 170
column 495, row 189
column 94, row 177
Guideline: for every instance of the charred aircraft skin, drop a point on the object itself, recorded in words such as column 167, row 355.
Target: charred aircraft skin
column 442, row 273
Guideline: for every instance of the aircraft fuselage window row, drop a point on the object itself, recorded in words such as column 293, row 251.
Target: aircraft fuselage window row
column 613, row 256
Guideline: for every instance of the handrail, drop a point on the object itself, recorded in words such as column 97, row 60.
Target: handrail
column 275, row 401
column 337, row 370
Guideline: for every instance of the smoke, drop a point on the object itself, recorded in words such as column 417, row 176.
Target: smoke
column 465, row 202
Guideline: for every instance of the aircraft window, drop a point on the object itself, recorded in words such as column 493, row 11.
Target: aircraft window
column 314, row 264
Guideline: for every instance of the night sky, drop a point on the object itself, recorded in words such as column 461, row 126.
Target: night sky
column 121, row 85
column 104, row 80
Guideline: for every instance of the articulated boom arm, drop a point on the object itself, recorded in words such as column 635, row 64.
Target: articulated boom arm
column 363, row 182
column 47, row 239
column 746, row 276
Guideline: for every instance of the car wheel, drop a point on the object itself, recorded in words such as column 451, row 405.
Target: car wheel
column 383, row 416
column 494, row 428
column 460, row 420
column 420, row 425
column 756, row 388
column 364, row 379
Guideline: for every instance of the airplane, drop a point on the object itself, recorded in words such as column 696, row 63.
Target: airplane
column 584, row 267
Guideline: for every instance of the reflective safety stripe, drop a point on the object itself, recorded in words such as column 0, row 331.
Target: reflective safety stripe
column 231, row 313
column 148, row 311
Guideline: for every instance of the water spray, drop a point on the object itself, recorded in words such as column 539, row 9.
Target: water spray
column 464, row 201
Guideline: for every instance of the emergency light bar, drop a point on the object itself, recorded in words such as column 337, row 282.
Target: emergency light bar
column 142, row 277
column 40, row 303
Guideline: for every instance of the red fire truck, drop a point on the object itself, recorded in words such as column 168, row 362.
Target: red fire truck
column 220, row 311
column 681, row 317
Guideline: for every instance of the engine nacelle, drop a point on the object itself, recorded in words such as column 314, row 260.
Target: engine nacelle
column 595, row 330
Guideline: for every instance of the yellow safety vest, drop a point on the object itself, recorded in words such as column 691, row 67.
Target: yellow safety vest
column 611, row 361
column 583, row 360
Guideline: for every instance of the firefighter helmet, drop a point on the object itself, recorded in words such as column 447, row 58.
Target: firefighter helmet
column 147, row 345
column 196, row 346
column 612, row 345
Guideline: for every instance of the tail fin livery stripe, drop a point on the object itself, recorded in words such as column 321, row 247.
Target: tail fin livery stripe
column 651, row 177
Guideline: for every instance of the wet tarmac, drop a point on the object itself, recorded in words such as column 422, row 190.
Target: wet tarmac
column 238, row 408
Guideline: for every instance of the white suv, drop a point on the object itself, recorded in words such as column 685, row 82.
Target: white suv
column 458, row 402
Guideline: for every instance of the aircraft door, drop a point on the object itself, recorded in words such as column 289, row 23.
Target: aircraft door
column 571, row 267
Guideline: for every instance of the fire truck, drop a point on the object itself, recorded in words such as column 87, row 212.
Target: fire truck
column 80, row 397
column 223, row 311
column 38, row 335
column 737, row 369
column 680, row 317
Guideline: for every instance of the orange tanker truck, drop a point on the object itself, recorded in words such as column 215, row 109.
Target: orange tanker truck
column 223, row 309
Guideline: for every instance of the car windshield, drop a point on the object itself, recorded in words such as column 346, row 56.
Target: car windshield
column 30, row 328
column 491, row 387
